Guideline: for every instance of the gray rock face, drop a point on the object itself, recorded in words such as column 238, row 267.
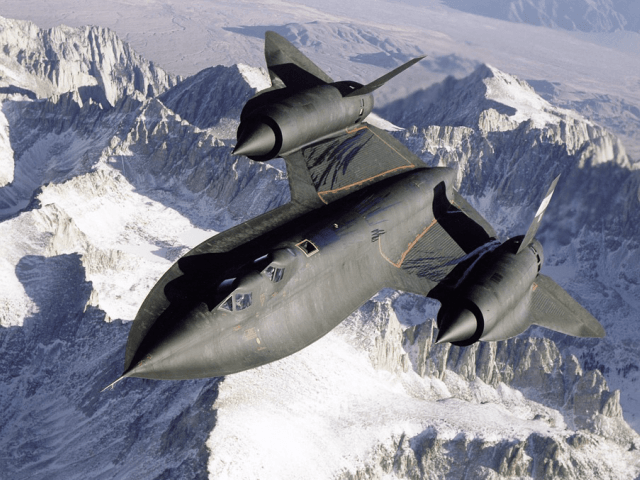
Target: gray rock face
column 92, row 61
column 81, row 76
column 429, row 456
column 584, row 15
column 526, row 145
column 533, row 366
column 54, row 140
column 112, row 164
column 193, row 99
column 196, row 169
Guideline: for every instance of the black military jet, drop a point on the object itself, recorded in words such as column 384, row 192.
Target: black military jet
column 365, row 214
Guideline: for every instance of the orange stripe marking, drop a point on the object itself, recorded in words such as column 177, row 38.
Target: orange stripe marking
column 403, row 167
column 410, row 246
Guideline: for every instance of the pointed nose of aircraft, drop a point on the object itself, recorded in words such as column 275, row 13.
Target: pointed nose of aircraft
column 256, row 140
column 457, row 327
column 174, row 349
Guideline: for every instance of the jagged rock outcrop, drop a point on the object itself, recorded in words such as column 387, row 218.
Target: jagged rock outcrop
column 534, row 366
column 490, row 123
column 375, row 328
column 583, row 15
column 56, row 139
column 51, row 75
column 195, row 167
column 431, row 455
column 210, row 96
column 91, row 61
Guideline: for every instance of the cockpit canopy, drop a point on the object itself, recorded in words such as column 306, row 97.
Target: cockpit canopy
column 274, row 273
column 240, row 300
column 271, row 266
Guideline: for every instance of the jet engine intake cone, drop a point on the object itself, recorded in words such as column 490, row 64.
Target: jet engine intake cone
column 458, row 326
column 255, row 140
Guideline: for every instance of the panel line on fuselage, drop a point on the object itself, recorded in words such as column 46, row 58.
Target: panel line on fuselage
column 357, row 129
column 411, row 245
column 409, row 165
column 320, row 194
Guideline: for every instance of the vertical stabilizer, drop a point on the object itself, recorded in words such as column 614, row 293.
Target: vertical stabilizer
column 533, row 228
column 288, row 66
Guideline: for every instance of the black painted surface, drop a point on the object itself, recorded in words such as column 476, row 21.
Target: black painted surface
column 365, row 214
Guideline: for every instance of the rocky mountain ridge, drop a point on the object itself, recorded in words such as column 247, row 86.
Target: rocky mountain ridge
column 105, row 196
column 91, row 61
column 583, row 15
column 528, row 373
column 69, row 66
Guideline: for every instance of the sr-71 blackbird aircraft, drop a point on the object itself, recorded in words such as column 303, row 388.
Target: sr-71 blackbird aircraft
column 365, row 214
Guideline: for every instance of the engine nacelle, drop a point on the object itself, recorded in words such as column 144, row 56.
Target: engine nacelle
column 301, row 118
column 492, row 302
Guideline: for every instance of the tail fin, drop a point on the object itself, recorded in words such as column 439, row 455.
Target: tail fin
column 384, row 79
column 288, row 66
column 552, row 307
column 533, row 228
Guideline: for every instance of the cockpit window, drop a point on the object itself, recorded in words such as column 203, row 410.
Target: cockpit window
column 307, row 247
column 274, row 274
column 278, row 275
column 228, row 304
column 243, row 300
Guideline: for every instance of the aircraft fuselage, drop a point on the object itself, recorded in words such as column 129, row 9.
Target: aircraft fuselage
column 307, row 277
column 365, row 213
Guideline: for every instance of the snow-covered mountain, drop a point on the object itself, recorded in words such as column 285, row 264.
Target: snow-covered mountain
column 593, row 73
column 584, row 15
column 106, row 187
